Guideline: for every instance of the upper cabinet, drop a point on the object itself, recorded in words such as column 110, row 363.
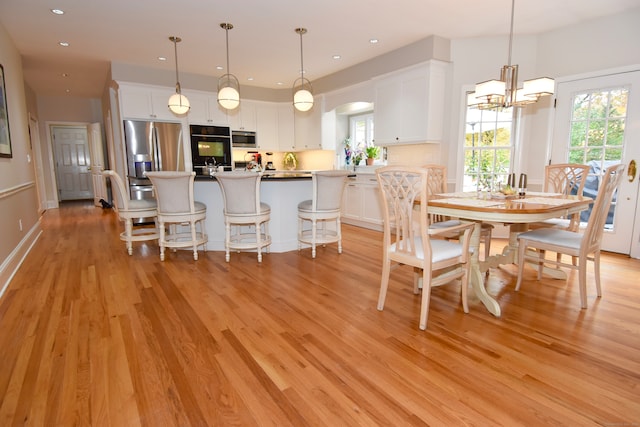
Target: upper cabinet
column 409, row 105
column 205, row 109
column 145, row 102
column 308, row 128
column 243, row 117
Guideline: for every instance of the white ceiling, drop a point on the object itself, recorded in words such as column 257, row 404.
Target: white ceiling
column 263, row 44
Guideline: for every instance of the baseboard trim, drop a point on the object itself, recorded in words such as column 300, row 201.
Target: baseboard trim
column 13, row 262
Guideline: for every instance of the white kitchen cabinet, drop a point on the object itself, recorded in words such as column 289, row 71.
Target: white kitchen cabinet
column 361, row 205
column 205, row 109
column 145, row 102
column 267, row 127
column 286, row 137
column 308, row 129
column 243, row 117
column 409, row 105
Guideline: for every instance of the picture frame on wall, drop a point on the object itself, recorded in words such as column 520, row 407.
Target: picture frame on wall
column 5, row 135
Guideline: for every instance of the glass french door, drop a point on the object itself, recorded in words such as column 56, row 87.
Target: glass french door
column 597, row 122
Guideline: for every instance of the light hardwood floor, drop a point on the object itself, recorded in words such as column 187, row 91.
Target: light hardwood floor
column 92, row 336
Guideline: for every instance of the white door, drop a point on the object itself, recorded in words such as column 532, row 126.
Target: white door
column 597, row 120
column 73, row 162
column 97, row 163
column 34, row 138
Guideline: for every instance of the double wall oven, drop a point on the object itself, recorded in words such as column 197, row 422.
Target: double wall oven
column 210, row 145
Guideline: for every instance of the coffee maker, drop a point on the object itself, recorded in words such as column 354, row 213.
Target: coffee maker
column 269, row 165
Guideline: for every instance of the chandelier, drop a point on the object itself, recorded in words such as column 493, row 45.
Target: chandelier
column 178, row 103
column 303, row 93
column 228, row 85
column 505, row 93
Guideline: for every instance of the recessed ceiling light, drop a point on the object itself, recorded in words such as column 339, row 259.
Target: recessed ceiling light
column 67, row 90
column 161, row 58
column 65, row 44
column 279, row 83
column 336, row 56
column 65, row 74
column 219, row 67
column 57, row 11
column 373, row 41
column 250, row 79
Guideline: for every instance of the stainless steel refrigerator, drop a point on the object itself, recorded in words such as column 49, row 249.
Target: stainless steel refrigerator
column 151, row 146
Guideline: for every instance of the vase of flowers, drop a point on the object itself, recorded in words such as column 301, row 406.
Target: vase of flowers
column 347, row 151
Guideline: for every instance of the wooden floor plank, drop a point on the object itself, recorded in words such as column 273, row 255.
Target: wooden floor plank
column 92, row 336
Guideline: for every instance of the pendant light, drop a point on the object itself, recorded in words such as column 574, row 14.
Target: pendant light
column 178, row 103
column 302, row 90
column 228, row 85
column 505, row 93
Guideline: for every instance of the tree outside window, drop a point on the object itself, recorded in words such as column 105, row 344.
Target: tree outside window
column 488, row 148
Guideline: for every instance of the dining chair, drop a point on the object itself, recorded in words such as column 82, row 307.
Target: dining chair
column 583, row 246
column 563, row 178
column 435, row 261
column 246, row 217
column 437, row 184
column 129, row 209
column 322, row 210
column 177, row 209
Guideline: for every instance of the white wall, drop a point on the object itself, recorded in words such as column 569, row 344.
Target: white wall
column 18, row 199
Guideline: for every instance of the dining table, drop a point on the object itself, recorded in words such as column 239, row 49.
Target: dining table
column 517, row 212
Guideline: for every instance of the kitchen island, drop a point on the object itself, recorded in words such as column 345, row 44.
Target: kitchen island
column 282, row 191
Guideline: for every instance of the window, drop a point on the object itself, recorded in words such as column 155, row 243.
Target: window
column 488, row 147
column 361, row 129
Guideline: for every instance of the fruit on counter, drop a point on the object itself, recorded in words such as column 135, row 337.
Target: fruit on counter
column 507, row 190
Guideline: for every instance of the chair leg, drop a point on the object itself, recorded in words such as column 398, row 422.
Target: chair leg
column 582, row 280
column 596, row 271
column 314, row 235
column 384, row 283
column 541, row 255
column 300, row 228
column 426, row 297
column 193, row 239
column 259, row 241
column 128, row 230
column 227, row 240
column 339, row 231
column 161, row 241
column 464, row 283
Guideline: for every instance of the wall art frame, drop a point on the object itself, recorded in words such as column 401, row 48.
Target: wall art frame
column 5, row 134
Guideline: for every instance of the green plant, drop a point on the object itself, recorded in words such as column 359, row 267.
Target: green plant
column 372, row 151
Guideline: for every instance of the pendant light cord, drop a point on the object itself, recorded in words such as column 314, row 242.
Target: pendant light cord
column 226, row 29
column 175, row 52
column 513, row 7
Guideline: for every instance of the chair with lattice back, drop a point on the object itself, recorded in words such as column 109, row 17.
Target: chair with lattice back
column 407, row 238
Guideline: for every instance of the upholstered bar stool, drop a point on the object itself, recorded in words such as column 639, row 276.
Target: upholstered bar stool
column 323, row 208
column 129, row 209
column 246, row 218
column 178, row 209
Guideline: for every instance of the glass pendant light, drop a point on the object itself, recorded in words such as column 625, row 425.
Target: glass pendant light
column 302, row 90
column 178, row 103
column 228, row 85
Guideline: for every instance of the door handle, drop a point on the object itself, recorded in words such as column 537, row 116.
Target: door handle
column 631, row 170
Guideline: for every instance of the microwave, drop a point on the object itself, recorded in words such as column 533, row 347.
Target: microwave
column 243, row 139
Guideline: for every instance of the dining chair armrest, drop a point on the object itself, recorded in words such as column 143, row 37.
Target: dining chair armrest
column 460, row 228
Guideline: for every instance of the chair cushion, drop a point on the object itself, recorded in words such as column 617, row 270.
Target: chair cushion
column 445, row 224
column 305, row 205
column 199, row 207
column 440, row 249
column 142, row 205
column 554, row 236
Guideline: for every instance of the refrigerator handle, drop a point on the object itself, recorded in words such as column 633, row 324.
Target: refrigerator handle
column 153, row 148
column 180, row 150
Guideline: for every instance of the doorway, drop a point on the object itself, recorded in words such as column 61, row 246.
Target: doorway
column 72, row 162
column 597, row 122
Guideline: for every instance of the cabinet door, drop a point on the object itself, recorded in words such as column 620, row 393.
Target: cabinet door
column 267, row 127
column 285, row 127
column 371, row 204
column 243, row 117
column 352, row 201
column 388, row 111
column 136, row 103
column 308, row 129
column 205, row 109
column 413, row 108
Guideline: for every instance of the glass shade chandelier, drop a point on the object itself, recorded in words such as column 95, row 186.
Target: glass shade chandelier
column 302, row 90
column 178, row 103
column 505, row 93
column 228, row 85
